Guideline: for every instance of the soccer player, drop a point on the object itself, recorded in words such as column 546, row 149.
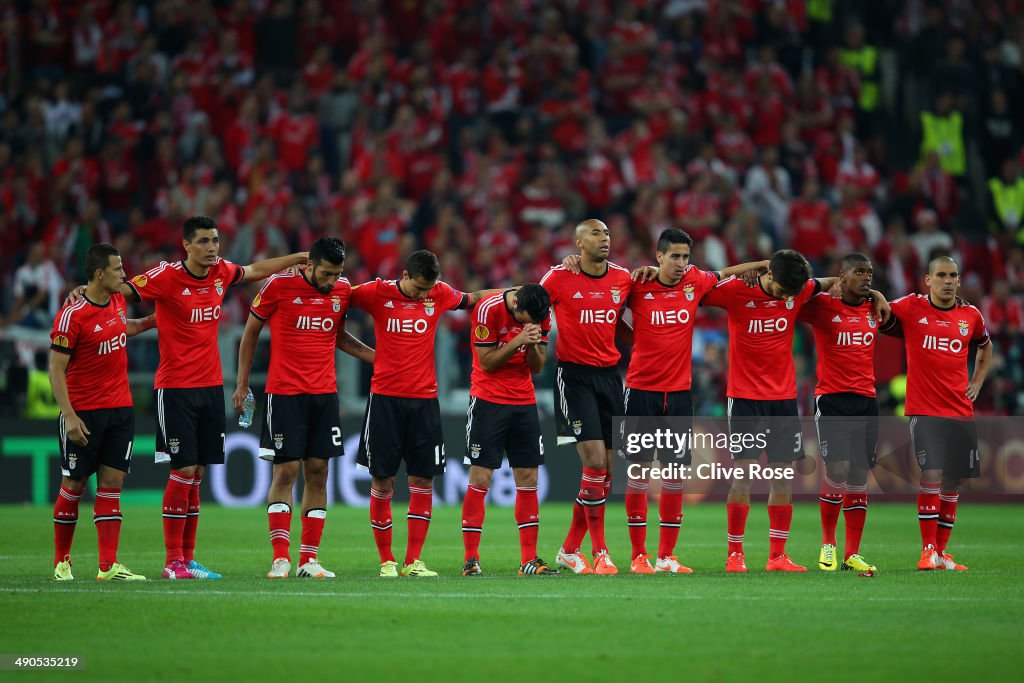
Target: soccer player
column 762, row 392
column 306, row 311
column 846, row 410
column 189, row 381
column 510, row 338
column 939, row 330
column 403, row 417
column 588, row 390
column 658, row 383
column 89, row 377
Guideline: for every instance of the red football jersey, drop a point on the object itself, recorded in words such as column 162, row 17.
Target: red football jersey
column 95, row 337
column 304, row 325
column 187, row 318
column 586, row 310
column 404, row 329
column 938, row 341
column 760, row 338
column 845, row 338
column 512, row 382
column 663, row 330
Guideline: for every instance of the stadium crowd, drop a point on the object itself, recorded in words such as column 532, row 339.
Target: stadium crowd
column 484, row 131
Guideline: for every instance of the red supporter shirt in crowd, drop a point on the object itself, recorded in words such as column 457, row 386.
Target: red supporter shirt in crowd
column 494, row 325
column 304, row 325
column 845, row 339
column 760, row 338
column 586, row 310
column 404, row 329
column 663, row 330
column 938, row 341
column 94, row 336
column 187, row 316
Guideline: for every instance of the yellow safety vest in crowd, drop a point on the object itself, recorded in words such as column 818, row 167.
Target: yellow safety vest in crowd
column 945, row 135
column 865, row 62
column 819, row 10
column 39, row 401
column 1009, row 203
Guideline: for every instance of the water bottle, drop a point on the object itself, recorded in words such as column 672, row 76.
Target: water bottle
column 248, row 408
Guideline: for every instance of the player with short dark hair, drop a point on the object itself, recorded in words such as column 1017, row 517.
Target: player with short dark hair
column 846, row 410
column 306, row 311
column 89, row 377
column 588, row 390
column 762, row 392
column 510, row 341
column 403, row 417
column 939, row 330
column 189, row 380
column 658, row 383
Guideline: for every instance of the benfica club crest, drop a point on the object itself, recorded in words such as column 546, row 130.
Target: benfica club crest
column 688, row 291
column 964, row 329
column 871, row 321
column 219, row 286
column 616, row 296
column 124, row 318
column 789, row 303
column 428, row 306
column 336, row 304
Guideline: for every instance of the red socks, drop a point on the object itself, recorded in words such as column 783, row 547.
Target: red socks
column 592, row 496
column 947, row 517
column 780, row 517
column 421, row 501
column 312, row 532
column 855, row 510
column 380, row 521
column 670, row 510
column 830, row 500
column 280, row 518
column 107, row 517
column 176, row 503
column 473, row 520
column 65, row 517
column 528, row 519
column 737, row 525
column 636, row 515
column 577, row 528
column 928, row 511
column 188, row 534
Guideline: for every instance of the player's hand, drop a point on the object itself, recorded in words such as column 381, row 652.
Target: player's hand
column 973, row 389
column 751, row 276
column 836, row 291
column 644, row 274
column 75, row 294
column 530, row 335
column 882, row 310
column 238, row 398
column 572, row 263
column 76, row 430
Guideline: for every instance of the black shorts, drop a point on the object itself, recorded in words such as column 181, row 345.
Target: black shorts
column 942, row 443
column 190, row 426
column 495, row 430
column 301, row 426
column 650, row 407
column 397, row 429
column 769, row 426
column 111, row 436
column 847, row 427
column 586, row 400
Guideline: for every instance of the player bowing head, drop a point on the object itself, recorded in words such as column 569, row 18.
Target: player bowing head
column 788, row 273
column 531, row 304
column 327, row 263
column 422, row 271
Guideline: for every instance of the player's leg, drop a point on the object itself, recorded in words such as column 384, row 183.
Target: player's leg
column 322, row 441
column 524, row 445
column 487, row 426
column 115, row 461
column 608, row 390
column 785, row 449
column 746, row 418
column 927, row 441
column 65, row 510
column 211, row 430
column 678, row 407
column 177, row 422
column 572, row 400
column 424, row 460
column 832, row 446
column 473, row 511
column 380, row 455
column 279, row 516
column 855, row 500
column 640, row 407
column 962, row 463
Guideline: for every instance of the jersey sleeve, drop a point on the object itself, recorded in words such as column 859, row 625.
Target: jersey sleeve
column 981, row 337
column 706, row 281
column 65, row 331
column 550, row 283
column 264, row 304
column 721, row 295
column 899, row 310
column 545, row 330
column 485, row 328
column 810, row 313
column 232, row 272
column 363, row 295
column 452, row 299
column 810, row 289
column 154, row 283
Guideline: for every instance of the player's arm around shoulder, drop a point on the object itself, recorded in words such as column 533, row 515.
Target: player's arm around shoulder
column 267, row 267
column 136, row 326
column 353, row 346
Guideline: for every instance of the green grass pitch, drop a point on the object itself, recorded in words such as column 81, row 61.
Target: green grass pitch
column 900, row 625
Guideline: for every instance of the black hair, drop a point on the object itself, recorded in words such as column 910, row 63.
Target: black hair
column 423, row 264
column 673, row 236
column 189, row 228
column 535, row 301
column 329, row 249
column 97, row 257
column 790, row 270
column 853, row 259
